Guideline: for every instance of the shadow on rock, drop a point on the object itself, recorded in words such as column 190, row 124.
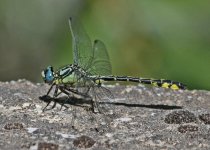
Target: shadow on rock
column 81, row 102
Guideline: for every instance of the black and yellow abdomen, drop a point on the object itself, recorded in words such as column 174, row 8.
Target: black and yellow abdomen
column 155, row 82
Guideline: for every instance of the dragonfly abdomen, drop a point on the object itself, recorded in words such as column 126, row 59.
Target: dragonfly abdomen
column 155, row 82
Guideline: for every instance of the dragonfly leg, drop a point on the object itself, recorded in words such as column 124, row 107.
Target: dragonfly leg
column 63, row 90
column 46, row 106
column 94, row 104
column 50, row 89
column 54, row 96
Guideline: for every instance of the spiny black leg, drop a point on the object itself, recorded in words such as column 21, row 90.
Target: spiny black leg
column 86, row 93
column 55, row 92
column 54, row 96
column 46, row 106
column 94, row 105
column 53, row 105
column 50, row 89
column 65, row 92
column 72, row 90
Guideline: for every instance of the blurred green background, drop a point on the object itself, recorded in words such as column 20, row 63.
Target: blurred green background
column 158, row 39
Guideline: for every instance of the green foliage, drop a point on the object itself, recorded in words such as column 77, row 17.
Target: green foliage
column 159, row 39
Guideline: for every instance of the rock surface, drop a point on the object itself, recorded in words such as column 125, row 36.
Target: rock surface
column 137, row 118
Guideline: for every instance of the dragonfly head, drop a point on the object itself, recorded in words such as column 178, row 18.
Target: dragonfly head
column 48, row 75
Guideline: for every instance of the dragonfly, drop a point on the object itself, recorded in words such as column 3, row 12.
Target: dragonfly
column 91, row 67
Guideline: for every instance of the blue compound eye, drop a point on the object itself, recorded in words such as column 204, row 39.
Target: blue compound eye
column 48, row 74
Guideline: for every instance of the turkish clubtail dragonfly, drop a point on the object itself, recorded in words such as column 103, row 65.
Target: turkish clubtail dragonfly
column 90, row 68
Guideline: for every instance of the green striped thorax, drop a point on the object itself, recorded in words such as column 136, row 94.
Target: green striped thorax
column 66, row 75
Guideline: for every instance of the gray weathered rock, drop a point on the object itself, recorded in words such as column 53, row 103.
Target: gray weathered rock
column 142, row 118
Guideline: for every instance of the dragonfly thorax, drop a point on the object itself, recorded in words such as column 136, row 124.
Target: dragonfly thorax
column 70, row 74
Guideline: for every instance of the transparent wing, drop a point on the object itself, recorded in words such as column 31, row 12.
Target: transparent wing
column 101, row 64
column 82, row 47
